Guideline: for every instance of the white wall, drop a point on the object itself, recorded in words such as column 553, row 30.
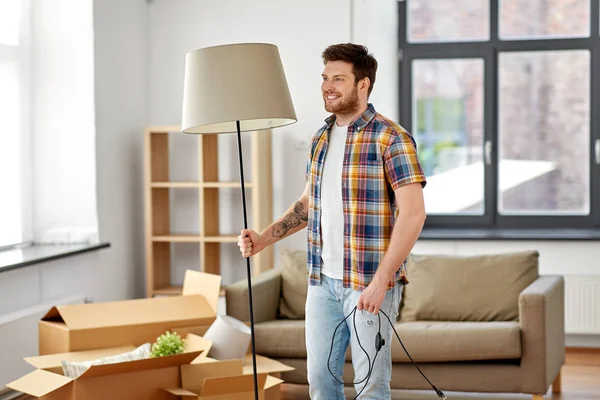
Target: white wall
column 121, row 115
column 377, row 28
column 177, row 27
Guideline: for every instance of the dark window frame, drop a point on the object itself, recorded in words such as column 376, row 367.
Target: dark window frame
column 488, row 51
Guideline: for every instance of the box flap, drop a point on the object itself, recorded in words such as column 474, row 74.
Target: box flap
column 132, row 312
column 140, row 365
column 208, row 285
column 39, row 383
column 272, row 381
column 264, row 365
column 54, row 360
column 197, row 343
column 181, row 392
column 232, row 384
column 193, row 375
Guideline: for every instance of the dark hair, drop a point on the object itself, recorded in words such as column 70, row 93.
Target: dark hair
column 363, row 63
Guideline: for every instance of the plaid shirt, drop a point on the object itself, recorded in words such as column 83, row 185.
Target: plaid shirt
column 380, row 156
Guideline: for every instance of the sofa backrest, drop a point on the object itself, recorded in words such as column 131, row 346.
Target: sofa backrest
column 294, row 284
column 441, row 287
column 467, row 288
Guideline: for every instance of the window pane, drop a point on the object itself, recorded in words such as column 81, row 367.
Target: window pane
column 10, row 13
column 444, row 21
column 544, row 132
column 533, row 19
column 448, row 128
column 10, row 200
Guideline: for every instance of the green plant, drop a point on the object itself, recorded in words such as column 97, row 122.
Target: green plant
column 168, row 344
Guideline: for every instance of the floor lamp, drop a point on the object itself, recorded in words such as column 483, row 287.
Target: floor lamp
column 232, row 89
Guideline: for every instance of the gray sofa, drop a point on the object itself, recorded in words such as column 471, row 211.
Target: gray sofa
column 487, row 323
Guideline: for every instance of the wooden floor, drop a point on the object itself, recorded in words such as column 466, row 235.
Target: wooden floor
column 579, row 382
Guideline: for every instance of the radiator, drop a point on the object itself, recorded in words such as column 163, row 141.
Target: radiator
column 19, row 338
column 582, row 305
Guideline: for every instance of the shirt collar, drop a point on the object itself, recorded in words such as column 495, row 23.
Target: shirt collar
column 360, row 122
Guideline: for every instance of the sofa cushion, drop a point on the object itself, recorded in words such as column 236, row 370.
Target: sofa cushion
column 430, row 341
column 283, row 338
column 425, row 341
column 294, row 284
column 280, row 338
column 467, row 288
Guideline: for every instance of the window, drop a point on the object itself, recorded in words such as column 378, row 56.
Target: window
column 448, row 119
column 430, row 21
column 542, row 19
column 544, row 132
column 502, row 97
column 14, row 209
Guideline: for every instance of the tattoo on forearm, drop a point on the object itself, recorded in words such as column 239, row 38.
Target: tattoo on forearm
column 291, row 220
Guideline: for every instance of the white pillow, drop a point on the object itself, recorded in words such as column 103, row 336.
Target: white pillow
column 73, row 369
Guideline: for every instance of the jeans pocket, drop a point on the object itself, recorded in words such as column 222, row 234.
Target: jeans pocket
column 398, row 289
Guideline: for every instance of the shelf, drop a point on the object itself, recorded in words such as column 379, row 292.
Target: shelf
column 234, row 185
column 195, row 238
column 164, row 129
column 247, row 185
column 177, row 291
column 177, row 238
column 163, row 231
column 220, row 239
column 175, row 184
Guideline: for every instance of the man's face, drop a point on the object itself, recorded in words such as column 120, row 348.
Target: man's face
column 340, row 93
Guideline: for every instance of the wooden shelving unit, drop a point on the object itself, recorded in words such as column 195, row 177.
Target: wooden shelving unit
column 158, row 187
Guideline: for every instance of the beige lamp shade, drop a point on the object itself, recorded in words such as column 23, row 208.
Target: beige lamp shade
column 237, row 82
column 230, row 338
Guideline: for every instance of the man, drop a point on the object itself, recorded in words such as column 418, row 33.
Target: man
column 364, row 209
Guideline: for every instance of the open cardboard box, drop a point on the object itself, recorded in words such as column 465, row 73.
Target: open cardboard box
column 191, row 375
column 93, row 326
column 264, row 365
column 226, row 380
column 142, row 379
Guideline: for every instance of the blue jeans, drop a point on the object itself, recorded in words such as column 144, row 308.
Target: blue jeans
column 326, row 307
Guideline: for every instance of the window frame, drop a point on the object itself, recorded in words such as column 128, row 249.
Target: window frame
column 489, row 51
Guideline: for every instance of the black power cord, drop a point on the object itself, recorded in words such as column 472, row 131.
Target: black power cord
column 379, row 343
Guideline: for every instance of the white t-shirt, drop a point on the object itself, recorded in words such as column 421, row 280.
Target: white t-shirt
column 332, row 213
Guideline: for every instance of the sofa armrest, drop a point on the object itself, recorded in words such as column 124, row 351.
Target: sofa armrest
column 266, row 292
column 542, row 320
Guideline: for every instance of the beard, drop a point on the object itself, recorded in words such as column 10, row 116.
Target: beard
column 346, row 106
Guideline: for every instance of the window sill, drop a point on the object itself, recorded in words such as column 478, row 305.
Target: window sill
column 508, row 234
column 26, row 256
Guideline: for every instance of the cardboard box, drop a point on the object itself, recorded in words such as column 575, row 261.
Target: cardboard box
column 132, row 322
column 132, row 380
column 191, row 375
column 200, row 381
column 264, row 365
column 225, row 380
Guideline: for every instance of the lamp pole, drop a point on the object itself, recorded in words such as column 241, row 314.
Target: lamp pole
column 248, row 270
